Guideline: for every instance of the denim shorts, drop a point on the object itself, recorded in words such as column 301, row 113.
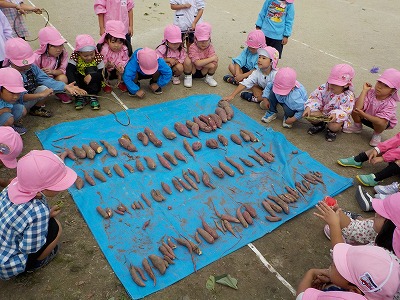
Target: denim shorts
column 16, row 112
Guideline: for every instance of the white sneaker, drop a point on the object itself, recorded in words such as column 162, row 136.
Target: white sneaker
column 268, row 117
column 209, row 79
column 286, row 125
column 187, row 81
column 380, row 196
column 387, row 189
column 176, row 80
column 375, row 140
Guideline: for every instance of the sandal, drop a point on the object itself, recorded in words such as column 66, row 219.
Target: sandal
column 330, row 136
column 230, row 79
column 80, row 102
column 39, row 112
column 316, row 128
column 94, row 103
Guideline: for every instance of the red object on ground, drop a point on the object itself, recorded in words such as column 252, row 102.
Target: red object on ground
column 330, row 201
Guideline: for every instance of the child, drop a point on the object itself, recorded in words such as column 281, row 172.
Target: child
column 387, row 151
column 85, row 67
column 10, row 148
column 173, row 52
column 5, row 34
column 334, row 99
column 31, row 239
column 243, row 65
column 376, row 107
column 114, row 48
column 289, row 93
column 52, row 57
column 203, row 57
column 187, row 15
column 266, row 70
column 37, row 83
column 145, row 64
column 11, row 86
column 276, row 20
column 120, row 10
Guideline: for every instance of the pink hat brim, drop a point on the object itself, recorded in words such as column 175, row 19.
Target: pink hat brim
column 16, row 196
column 15, row 89
column 340, row 259
column 9, row 163
column 30, row 60
column 339, row 82
column 65, row 182
column 150, row 71
column 387, row 82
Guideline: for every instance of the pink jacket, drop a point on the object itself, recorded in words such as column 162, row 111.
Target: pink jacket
column 114, row 10
column 390, row 149
column 196, row 54
column 46, row 61
column 117, row 58
column 163, row 52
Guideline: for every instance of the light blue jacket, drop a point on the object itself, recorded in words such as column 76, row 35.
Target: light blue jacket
column 276, row 19
column 246, row 59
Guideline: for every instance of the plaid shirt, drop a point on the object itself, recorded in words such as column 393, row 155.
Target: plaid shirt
column 16, row 20
column 23, row 230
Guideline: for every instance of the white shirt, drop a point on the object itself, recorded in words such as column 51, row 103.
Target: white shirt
column 185, row 17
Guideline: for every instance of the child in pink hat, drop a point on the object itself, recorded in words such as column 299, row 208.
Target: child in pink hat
column 202, row 56
column 334, row 100
column 116, row 52
column 85, row 67
column 243, row 65
column 173, row 52
column 267, row 67
column 10, row 148
column 145, row 64
column 376, row 107
column 31, row 240
column 52, row 57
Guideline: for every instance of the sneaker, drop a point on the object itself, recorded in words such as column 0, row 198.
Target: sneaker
column 39, row 112
column 44, row 262
column 364, row 199
column 107, row 89
column 327, row 232
column 122, row 87
column 387, row 189
column 158, row 91
column 268, row 117
column 352, row 215
column 230, row 79
column 285, row 125
column 330, row 136
column 209, row 79
column 349, row 162
column 380, row 196
column 80, row 102
column 176, row 80
column 188, row 81
column 367, row 180
column 94, row 103
column 65, row 99
column 248, row 97
column 354, row 128
column 19, row 129
column 375, row 140
column 316, row 128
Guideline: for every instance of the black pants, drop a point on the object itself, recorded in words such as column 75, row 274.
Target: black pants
column 94, row 86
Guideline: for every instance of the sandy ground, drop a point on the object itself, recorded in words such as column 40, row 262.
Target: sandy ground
column 325, row 33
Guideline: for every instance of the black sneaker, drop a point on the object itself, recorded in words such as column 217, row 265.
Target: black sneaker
column 364, row 199
column 94, row 103
column 316, row 128
column 248, row 97
column 330, row 136
column 158, row 91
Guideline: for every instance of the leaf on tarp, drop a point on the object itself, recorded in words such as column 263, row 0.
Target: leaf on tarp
column 227, row 280
column 210, row 284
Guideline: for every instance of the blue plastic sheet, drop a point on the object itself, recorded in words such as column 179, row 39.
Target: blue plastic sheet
column 122, row 239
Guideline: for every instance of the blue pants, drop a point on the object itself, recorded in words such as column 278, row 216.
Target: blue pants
column 273, row 102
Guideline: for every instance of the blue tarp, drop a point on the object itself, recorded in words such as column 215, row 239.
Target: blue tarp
column 122, row 239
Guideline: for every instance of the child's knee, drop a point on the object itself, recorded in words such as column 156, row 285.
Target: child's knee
column 178, row 68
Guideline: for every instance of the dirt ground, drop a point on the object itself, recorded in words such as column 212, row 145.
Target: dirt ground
column 326, row 33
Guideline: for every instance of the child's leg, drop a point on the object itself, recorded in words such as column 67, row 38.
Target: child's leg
column 392, row 169
column 177, row 70
column 257, row 92
column 208, row 71
column 6, row 119
column 35, row 107
column 62, row 77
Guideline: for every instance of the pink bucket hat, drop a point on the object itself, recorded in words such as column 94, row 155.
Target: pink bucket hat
column 202, row 31
column 19, row 52
column 270, row 52
column 115, row 29
column 10, row 146
column 37, row 171
column 148, row 60
column 372, row 269
column 285, row 81
column 172, row 34
column 314, row 294
column 84, row 43
column 11, row 80
column 256, row 39
column 49, row 36
column 341, row 75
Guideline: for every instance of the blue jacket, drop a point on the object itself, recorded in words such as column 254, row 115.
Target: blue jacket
column 43, row 79
column 132, row 67
column 246, row 59
column 276, row 19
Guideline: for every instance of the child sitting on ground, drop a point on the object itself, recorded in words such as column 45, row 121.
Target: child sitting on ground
column 243, row 65
column 145, row 64
column 203, row 57
column 173, row 52
column 52, row 57
column 376, row 107
column 286, row 91
column 387, row 151
column 334, row 100
column 10, row 148
column 85, row 67
column 266, row 70
column 114, row 48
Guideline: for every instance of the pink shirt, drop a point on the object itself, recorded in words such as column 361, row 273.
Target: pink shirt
column 390, row 149
column 196, row 54
column 46, row 61
column 114, row 10
column 164, row 52
column 117, row 58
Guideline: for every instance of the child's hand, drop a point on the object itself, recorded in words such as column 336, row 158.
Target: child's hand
column 332, row 118
column 48, row 71
column 367, row 86
column 327, row 214
column 228, row 98
column 265, row 102
column 87, row 79
column 37, row 11
column 187, row 5
column 120, row 69
column 290, row 120
column 373, row 154
column 307, row 112
column 239, row 77
column 54, row 211
column 284, row 40
column 359, row 112
column 377, row 160
column 45, row 93
column 140, row 94
column 74, row 90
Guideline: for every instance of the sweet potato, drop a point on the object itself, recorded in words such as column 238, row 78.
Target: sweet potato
column 229, row 218
column 202, row 126
column 229, row 227
column 306, row 184
column 226, row 169
column 152, row 137
column 273, row 219
column 229, row 111
column 197, row 238
column 170, row 158
column 141, row 273
column 235, row 164
column 149, row 270
column 145, row 224
column 141, row 136
column 253, row 138
column 96, row 147
column 222, row 114
column 189, row 180
column 165, row 252
column 257, row 159
column 140, row 204
column 250, row 209
column 268, row 208
column 139, row 165
column 99, row 176
column 166, row 188
column 236, row 139
column 196, row 146
column 126, row 143
column 274, row 206
column 88, row 178
column 188, row 148
column 195, row 129
column 195, row 175
column 135, row 276
column 209, row 229
column 280, row 202
column 217, row 120
column 182, row 130
column 70, row 154
column 180, row 156
column 89, row 151
column 246, row 162
column 244, row 136
column 189, row 124
column 247, row 217
column 129, row 168
column 79, row 183
column 107, row 170
column 217, row 171
column 187, row 186
column 206, row 179
column 79, row 152
column 157, row 196
column 118, row 170
column 110, row 148
column 210, row 122
column 168, row 133
column 264, row 155
column 145, row 199
column 223, row 140
column 205, row 235
column 164, row 162
column 212, row 143
column 109, row 212
column 102, row 212
column 177, row 185
column 158, row 263
column 240, row 217
column 150, row 162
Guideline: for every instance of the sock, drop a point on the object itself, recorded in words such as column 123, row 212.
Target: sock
column 389, row 171
column 361, row 157
column 188, row 74
column 210, row 74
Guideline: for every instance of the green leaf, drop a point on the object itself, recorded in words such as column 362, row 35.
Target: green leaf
column 210, row 284
column 227, row 280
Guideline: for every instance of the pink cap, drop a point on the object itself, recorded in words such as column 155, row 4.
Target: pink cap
column 148, row 60
column 341, row 75
column 19, row 52
column 256, row 39
column 372, row 269
column 49, row 36
column 391, row 77
column 314, row 294
column 10, row 145
column 270, row 52
column 115, row 29
column 84, row 43
column 202, row 31
column 37, row 171
column 285, row 81
column 172, row 34
column 11, row 80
